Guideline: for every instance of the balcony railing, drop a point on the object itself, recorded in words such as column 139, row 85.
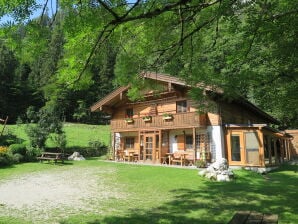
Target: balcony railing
column 180, row 120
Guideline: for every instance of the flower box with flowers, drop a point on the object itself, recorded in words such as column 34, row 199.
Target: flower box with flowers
column 147, row 118
column 167, row 116
column 129, row 120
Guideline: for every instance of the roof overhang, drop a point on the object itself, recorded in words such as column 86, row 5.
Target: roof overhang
column 109, row 100
column 263, row 127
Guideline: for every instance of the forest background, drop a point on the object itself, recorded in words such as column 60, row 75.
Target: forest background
column 75, row 52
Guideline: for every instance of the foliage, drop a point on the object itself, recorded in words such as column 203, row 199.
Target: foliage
column 48, row 122
column 8, row 139
column 17, row 158
column 32, row 153
column 6, row 159
column 3, row 149
column 18, row 148
column 60, row 140
column 200, row 163
column 98, row 147
column 77, row 56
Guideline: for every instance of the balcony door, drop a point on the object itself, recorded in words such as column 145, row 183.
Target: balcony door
column 149, row 147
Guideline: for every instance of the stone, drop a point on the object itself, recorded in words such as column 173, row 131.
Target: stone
column 211, row 176
column 222, row 178
column 76, row 156
column 218, row 171
column 202, row 173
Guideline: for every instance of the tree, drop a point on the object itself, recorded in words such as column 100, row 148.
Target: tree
column 243, row 47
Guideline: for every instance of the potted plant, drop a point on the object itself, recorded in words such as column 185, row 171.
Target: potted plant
column 167, row 116
column 147, row 118
column 200, row 163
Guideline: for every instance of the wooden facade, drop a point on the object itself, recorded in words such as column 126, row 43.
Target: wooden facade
column 167, row 122
column 256, row 145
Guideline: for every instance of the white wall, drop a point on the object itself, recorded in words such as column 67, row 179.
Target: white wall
column 217, row 142
column 173, row 141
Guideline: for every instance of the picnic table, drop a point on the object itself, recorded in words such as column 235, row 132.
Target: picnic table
column 51, row 156
column 247, row 217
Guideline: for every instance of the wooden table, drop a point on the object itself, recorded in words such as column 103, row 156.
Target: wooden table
column 51, row 156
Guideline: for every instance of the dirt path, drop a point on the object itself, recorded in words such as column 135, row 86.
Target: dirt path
column 55, row 194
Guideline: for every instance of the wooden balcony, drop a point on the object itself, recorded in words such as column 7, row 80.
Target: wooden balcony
column 180, row 120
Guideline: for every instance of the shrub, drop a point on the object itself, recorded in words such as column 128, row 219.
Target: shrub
column 59, row 140
column 31, row 153
column 37, row 136
column 3, row 150
column 18, row 148
column 6, row 159
column 200, row 163
column 97, row 148
column 17, row 158
column 8, row 139
column 48, row 123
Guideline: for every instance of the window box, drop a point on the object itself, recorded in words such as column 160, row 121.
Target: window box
column 129, row 120
column 167, row 116
column 147, row 118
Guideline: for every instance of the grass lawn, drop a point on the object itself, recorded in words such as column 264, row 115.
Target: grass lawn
column 77, row 135
column 154, row 194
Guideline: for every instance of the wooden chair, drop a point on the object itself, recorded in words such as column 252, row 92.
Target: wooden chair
column 126, row 156
column 190, row 157
column 120, row 155
column 177, row 158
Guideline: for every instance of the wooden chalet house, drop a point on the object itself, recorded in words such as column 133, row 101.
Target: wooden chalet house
column 167, row 122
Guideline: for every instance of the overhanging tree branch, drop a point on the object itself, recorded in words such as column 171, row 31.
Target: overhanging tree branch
column 113, row 24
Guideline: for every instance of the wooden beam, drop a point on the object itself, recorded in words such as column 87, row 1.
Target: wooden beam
column 275, row 151
column 139, row 136
column 159, row 145
column 114, row 145
column 269, row 149
column 194, row 143
column 261, row 148
column 169, row 86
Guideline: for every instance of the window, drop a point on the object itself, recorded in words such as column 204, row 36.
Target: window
column 252, row 148
column 129, row 142
column 157, row 141
column 129, row 112
column 203, row 142
column 181, row 106
column 188, row 142
column 235, row 145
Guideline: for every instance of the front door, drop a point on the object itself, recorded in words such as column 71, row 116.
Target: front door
column 149, row 148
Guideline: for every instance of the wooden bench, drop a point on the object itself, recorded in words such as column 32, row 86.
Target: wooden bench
column 247, row 217
column 51, row 156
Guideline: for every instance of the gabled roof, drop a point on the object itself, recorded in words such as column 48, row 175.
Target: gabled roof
column 163, row 78
column 108, row 99
column 111, row 98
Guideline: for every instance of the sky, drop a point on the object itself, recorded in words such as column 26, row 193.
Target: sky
column 51, row 6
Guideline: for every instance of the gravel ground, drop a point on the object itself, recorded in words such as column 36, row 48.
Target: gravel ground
column 46, row 197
